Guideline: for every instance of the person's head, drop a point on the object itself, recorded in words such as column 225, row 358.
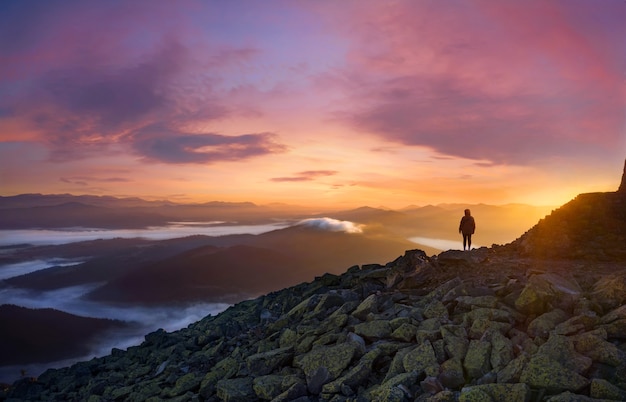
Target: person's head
column 467, row 212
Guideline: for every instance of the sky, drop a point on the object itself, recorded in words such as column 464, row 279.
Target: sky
column 319, row 103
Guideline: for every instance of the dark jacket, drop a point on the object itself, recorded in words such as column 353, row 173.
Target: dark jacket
column 467, row 226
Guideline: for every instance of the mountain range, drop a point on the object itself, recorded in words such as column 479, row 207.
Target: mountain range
column 542, row 318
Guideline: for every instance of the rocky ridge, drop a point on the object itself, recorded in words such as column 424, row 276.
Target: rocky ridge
column 521, row 322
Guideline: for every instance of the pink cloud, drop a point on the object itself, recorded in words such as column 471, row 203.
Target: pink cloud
column 504, row 82
column 307, row 175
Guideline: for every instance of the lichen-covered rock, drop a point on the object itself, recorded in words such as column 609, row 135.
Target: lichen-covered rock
column 477, row 360
column 452, row 375
column 373, row 330
column 405, row 332
column 395, row 389
column 546, row 322
column 593, row 344
column 547, row 289
column 496, row 393
column 544, row 372
column 610, row 291
column 561, row 349
column 236, row 390
column 501, row 349
column 325, row 363
column 422, row 359
column 367, row 306
column 265, row 363
column 512, row 372
column 602, row 389
column 355, row 376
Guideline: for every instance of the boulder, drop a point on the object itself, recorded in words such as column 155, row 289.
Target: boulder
column 452, row 374
column 602, row 389
column 593, row 344
column 544, row 372
column 477, row 360
column 264, row 363
column 546, row 290
column 405, row 332
column 561, row 349
column 236, row 390
column 325, row 363
column 496, row 392
column 373, row 330
column 367, row 306
column 542, row 325
column 610, row 291
column 422, row 359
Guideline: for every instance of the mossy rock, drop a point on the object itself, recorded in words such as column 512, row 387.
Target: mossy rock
column 373, row 330
column 497, row 392
column 543, row 372
column 422, row 359
column 236, row 390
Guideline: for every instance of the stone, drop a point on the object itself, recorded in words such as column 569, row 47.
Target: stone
column 544, row 289
column 436, row 309
column 405, row 332
column 451, row 375
column 496, row 392
column 395, row 388
column 293, row 393
column 236, row 390
column 602, row 389
column 188, row 382
column 501, row 349
column 422, row 359
column 367, row 306
column 397, row 366
column 545, row 323
column 268, row 387
column 477, row 360
column 594, row 345
column 373, row 330
column 455, row 341
column 512, row 372
column 288, row 338
column 610, row 291
column 561, row 349
column 482, row 325
column 544, row 372
column 326, row 359
column 264, row 363
column 356, row 375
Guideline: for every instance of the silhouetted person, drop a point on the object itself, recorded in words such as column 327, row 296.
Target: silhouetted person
column 467, row 228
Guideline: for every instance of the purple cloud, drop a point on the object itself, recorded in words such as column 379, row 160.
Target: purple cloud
column 168, row 146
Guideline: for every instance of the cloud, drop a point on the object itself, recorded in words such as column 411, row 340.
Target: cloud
column 169, row 146
column 306, row 175
column 331, row 225
column 511, row 83
column 84, row 180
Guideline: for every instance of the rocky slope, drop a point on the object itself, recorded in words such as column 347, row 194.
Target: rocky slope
column 541, row 319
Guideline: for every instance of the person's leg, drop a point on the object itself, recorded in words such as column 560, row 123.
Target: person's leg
column 464, row 241
column 469, row 241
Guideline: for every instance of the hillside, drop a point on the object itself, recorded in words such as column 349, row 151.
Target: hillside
column 540, row 319
column 66, row 335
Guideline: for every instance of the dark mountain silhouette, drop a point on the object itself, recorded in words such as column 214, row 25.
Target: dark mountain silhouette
column 206, row 273
column 255, row 265
column 46, row 335
column 590, row 227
